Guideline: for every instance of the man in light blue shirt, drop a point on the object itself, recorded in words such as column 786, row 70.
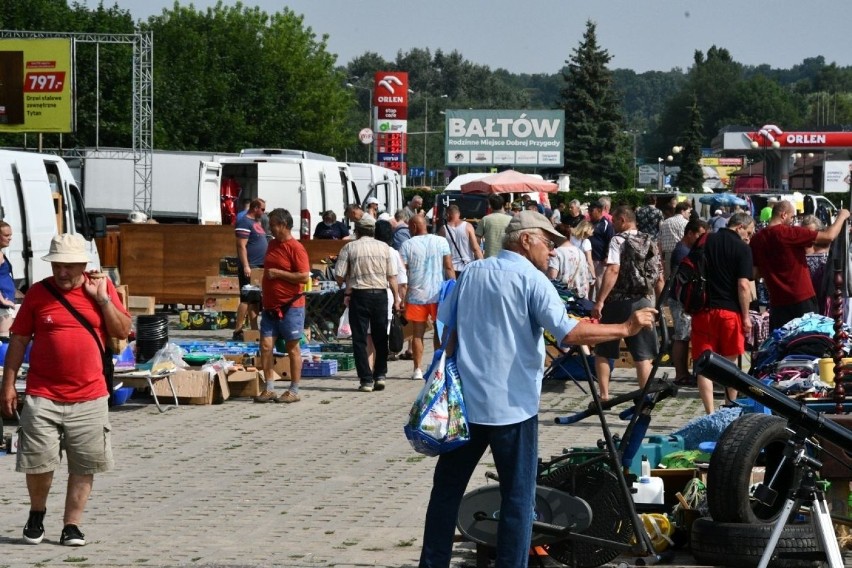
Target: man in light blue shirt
column 502, row 305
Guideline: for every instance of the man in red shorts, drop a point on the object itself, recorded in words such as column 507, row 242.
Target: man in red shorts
column 723, row 325
column 428, row 261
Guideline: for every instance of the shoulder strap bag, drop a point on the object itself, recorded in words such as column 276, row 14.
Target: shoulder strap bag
column 106, row 352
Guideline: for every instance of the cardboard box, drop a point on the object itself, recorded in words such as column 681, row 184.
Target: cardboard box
column 228, row 266
column 227, row 320
column 195, row 386
column 244, row 383
column 674, row 480
column 221, row 285
column 123, row 293
column 256, row 278
column 251, row 335
column 281, row 365
column 625, row 360
column 222, row 302
column 141, row 305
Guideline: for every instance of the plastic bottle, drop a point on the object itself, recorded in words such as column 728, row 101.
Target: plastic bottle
column 646, row 467
column 648, row 489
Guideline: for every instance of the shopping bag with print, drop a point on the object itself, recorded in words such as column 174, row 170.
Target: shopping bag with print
column 437, row 422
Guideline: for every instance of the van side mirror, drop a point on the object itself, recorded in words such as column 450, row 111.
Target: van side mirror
column 98, row 224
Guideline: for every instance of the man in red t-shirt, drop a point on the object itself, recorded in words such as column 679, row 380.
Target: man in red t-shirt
column 66, row 396
column 286, row 269
column 779, row 258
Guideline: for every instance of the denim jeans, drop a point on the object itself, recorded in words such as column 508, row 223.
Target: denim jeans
column 515, row 451
column 369, row 309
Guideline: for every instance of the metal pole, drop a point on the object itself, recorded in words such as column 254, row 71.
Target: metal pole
column 370, row 150
column 425, row 135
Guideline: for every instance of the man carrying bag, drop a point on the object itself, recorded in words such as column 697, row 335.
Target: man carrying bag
column 502, row 305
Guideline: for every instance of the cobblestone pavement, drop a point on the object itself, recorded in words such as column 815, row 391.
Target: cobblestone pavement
column 329, row 481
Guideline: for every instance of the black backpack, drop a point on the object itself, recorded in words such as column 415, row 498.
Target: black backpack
column 689, row 283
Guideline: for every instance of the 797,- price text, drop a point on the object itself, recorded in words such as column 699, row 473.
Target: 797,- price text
column 44, row 82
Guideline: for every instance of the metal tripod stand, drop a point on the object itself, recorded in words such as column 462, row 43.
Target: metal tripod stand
column 807, row 494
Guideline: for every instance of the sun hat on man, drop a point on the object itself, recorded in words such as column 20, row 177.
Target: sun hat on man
column 67, row 248
column 534, row 220
column 371, row 201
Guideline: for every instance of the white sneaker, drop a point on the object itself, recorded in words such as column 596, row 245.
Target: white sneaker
column 417, row 375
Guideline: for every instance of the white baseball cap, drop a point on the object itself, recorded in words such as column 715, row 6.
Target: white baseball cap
column 371, row 201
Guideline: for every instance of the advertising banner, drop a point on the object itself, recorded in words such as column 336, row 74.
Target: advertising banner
column 505, row 137
column 836, row 176
column 36, row 92
column 390, row 96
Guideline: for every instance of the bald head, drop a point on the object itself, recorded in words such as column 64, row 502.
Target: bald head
column 417, row 225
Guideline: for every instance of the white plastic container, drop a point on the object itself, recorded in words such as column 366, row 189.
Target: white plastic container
column 649, row 491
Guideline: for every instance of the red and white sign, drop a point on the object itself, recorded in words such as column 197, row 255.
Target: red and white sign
column 771, row 136
column 390, row 88
column 365, row 136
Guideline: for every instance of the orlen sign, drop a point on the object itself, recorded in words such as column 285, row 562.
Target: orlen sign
column 772, row 136
column 390, row 94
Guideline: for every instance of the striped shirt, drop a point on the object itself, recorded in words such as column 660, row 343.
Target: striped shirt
column 366, row 264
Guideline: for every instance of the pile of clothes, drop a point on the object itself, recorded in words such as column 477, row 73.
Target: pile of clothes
column 790, row 356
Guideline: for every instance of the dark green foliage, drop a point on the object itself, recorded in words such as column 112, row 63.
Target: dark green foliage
column 691, row 178
column 593, row 121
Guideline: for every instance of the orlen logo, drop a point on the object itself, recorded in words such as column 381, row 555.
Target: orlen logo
column 391, row 89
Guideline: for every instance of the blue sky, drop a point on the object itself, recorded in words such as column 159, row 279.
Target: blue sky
column 537, row 36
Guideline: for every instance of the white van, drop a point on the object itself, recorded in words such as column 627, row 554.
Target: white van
column 371, row 180
column 39, row 198
column 304, row 183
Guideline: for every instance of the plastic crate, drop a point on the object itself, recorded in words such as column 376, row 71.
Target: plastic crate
column 310, row 347
column 337, row 348
column 345, row 361
column 319, row 368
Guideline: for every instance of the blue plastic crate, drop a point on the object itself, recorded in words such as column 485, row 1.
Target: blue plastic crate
column 319, row 368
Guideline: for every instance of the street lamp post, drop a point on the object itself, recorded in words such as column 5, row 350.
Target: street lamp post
column 369, row 118
column 426, row 132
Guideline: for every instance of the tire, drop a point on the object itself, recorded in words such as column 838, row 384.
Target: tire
column 751, row 440
column 741, row 546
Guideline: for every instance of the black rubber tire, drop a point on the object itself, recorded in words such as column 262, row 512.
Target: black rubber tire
column 749, row 441
column 741, row 545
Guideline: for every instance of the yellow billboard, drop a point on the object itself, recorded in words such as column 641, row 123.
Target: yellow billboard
column 36, row 85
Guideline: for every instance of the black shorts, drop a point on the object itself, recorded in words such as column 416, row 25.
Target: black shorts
column 252, row 297
column 642, row 346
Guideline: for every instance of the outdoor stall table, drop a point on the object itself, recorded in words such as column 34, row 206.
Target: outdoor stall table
column 142, row 379
column 323, row 307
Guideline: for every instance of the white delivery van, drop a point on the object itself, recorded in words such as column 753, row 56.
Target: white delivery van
column 371, row 180
column 39, row 198
column 304, row 183
column 108, row 184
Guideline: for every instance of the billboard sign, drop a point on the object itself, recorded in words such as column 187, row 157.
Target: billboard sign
column 836, row 176
column 534, row 138
column 36, row 92
column 390, row 97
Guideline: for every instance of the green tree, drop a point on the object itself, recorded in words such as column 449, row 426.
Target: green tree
column 691, row 177
column 235, row 77
column 593, row 121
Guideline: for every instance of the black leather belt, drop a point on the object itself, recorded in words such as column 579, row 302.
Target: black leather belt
column 370, row 290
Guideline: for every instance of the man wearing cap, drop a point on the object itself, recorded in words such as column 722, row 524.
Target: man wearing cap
column 502, row 305
column 429, row 262
column 718, row 221
column 65, row 404
column 368, row 268
column 372, row 205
